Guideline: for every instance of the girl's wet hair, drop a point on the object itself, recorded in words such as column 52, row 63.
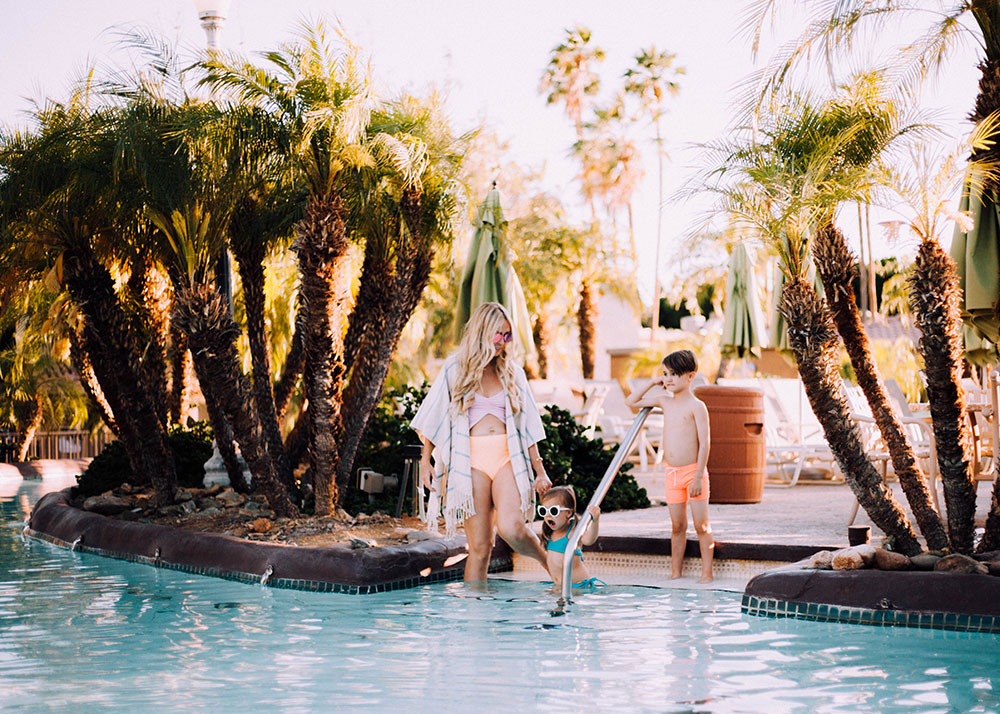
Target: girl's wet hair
column 564, row 496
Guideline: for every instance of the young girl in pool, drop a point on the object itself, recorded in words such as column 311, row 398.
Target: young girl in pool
column 558, row 512
column 480, row 422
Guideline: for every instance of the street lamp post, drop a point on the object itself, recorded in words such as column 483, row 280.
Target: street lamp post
column 212, row 14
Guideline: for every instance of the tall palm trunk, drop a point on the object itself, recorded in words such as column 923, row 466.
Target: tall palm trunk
column 152, row 308
column 28, row 428
column 836, row 266
column 115, row 359
column 585, row 316
column 413, row 270
column 225, row 442
column 88, row 380
column 372, row 306
column 540, row 335
column 813, row 339
column 251, row 264
column 294, row 361
column 181, row 378
column 935, row 299
column 322, row 246
column 201, row 313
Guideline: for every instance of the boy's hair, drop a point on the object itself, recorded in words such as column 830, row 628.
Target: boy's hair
column 566, row 496
column 681, row 362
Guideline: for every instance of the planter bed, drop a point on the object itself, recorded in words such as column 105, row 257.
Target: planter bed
column 337, row 568
column 933, row 600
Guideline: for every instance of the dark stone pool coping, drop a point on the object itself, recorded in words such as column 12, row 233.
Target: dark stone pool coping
column 927, row 600
column 334, row 569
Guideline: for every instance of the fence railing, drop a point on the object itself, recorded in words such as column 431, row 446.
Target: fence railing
column 56, row 445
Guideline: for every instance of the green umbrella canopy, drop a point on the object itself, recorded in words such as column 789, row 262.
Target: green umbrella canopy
column 489, row 276
column 743, row 325
column 976, row 259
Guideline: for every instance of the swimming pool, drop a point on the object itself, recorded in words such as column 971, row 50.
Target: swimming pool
column 83, row 633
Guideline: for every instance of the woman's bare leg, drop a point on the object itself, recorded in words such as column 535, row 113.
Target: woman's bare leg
column 479, row 529
column 510, row 518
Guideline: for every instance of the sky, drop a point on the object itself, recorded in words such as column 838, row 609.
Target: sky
column 488, row 58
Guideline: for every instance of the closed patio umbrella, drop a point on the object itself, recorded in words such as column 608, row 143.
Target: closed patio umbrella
column 976, row 259
column 743, row 325
column 488, row 275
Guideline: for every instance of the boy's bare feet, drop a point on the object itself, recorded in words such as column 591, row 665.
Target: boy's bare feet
column 676, row 577
column 706, row 579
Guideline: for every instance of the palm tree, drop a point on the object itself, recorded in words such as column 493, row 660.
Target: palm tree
column 58, row 211
column 782, row 195
column 925, row 186
column 319, row 101
column 863, row 126
column 569, row 77
column 653, row 77
column 406, row 209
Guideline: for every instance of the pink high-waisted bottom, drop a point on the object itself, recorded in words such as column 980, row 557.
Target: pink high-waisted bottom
column 488, row 453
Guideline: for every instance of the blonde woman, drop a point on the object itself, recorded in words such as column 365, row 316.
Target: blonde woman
column 480, row 421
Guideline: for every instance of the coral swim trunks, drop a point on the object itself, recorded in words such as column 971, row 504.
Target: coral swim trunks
column 678, row 480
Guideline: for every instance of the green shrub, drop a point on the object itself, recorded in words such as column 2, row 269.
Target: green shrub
column 190, row 447
column 575, row 460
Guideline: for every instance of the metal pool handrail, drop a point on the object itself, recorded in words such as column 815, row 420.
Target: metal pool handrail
column 585, row 518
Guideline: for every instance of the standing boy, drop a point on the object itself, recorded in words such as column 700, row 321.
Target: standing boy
column 685, row 443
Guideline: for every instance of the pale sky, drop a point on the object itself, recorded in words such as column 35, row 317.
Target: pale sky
column 487, row 56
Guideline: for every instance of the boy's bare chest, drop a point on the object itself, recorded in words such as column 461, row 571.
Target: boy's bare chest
column 678, row 420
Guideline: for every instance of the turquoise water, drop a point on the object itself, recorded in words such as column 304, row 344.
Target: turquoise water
column 82, row 633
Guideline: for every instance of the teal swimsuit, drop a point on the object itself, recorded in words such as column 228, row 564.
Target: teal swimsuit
column 559, row 545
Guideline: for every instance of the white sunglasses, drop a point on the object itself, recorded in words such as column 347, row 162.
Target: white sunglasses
column 545, row 511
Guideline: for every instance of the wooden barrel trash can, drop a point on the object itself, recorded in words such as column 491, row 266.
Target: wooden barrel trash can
column 737, row 460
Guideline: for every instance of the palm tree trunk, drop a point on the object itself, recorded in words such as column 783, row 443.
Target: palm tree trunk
column 836, row 266
column 251, row 265
column 152, row 307
column 413, row 270
column 27, row 429
column 585, row 320
column 294, row 361
column 115, row 359
column 371, row 306
column 935, row 299
column 813, row 339
column 322, row 245
column 540, row 335
column 181, row 378
column 200, row 312
column 225, row 442
column 88, row 380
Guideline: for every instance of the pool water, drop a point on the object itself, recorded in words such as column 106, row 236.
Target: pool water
column 83, row 633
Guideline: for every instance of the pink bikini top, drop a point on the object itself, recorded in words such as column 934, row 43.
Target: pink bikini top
column 482, row 405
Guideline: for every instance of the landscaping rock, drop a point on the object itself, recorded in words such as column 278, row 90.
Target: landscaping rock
column 958, row 563
column 417, row 536
column 823, row 560
column 188, row 506
column 988, row 557
column 210, row 511
column 107, row 504
column 171, row 510
column 888, row 560
column 205, row 503
column 854, row 558
column 182, row 494
column 363, row 543
column 230, row 498
column 343, row 515
column 925, row 561
column 401, row 533
column 259, row 525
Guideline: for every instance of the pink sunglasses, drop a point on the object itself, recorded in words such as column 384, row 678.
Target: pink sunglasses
column 504, row 337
